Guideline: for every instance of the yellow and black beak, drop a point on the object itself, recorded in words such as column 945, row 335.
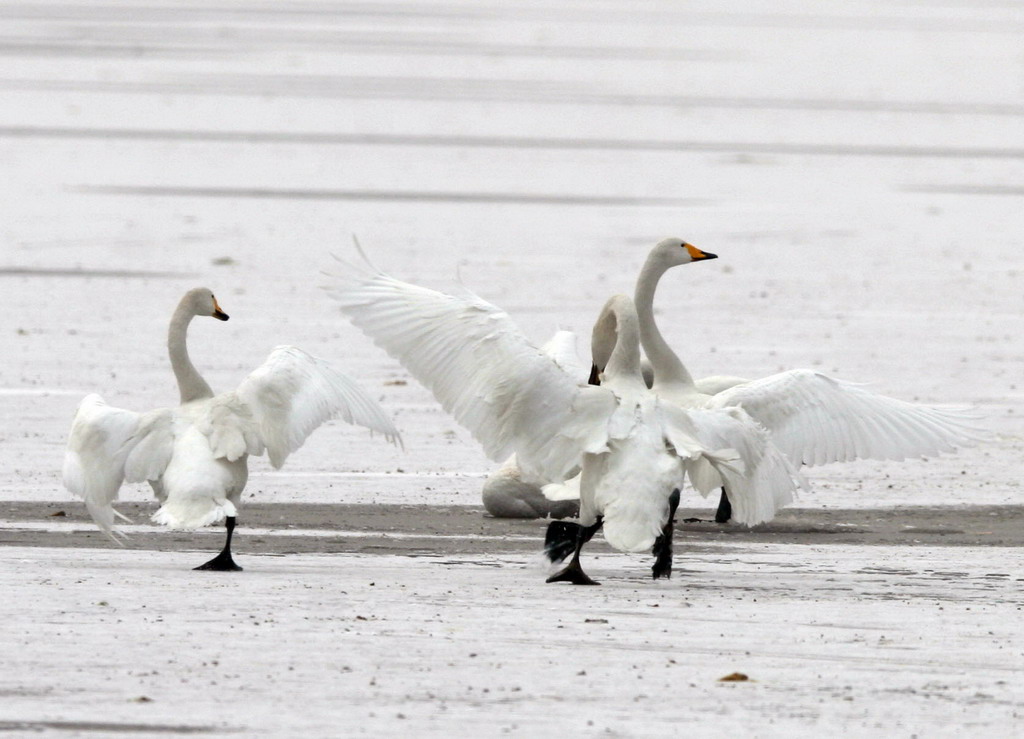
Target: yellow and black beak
column 697, row 255
column 218, row 313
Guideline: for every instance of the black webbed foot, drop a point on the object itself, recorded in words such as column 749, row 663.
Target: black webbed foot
column 221, row 563
column 573, row 573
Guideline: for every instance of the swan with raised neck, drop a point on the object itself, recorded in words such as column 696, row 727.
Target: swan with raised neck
column 198, row 301
column 669, row 372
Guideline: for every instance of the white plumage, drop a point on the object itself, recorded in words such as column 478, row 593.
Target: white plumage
column 815, row 419
column 513, row 397
column 195, row 455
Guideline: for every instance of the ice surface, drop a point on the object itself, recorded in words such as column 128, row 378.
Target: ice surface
column 877, row 640
column 857, row 168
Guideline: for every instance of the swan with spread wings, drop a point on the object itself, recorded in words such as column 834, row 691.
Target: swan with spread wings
column 195, row 455
column 633, row 450
column 813, row 418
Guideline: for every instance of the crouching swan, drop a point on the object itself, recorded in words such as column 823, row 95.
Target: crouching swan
column 195, row 455
column 634, row 450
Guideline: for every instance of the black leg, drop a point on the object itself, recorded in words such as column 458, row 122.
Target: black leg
column 223, row 562
column 663, row 544
column 724, row 512
column 560, row 540
column 573, row 572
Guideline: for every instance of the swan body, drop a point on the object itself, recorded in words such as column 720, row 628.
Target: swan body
column 633, row 450
column 507, row 493
column 195, row 455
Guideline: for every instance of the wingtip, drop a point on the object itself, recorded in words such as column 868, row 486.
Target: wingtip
column 362, row 253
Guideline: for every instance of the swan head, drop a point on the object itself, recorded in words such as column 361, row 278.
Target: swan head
column 202, row 302
column 673, row 252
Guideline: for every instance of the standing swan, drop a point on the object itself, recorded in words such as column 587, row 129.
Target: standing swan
column 195, row 455
column 813, row 418
column 633, row 449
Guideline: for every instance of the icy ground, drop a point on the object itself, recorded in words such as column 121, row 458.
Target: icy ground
column 858, row 169
column 878, row 641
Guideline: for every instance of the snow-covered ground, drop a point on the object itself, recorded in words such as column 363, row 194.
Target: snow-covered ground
column 858, row 168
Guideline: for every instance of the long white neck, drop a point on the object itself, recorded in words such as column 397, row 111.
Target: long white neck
column 617, row 328
column 191, row 385
column 668, row 368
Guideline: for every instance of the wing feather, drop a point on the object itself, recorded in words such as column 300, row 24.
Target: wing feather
column 510, row 395
column 763, row 481
column 105, row 445
column 816, row 419
column 715, row 384
column 288, row 397
column 562, row 348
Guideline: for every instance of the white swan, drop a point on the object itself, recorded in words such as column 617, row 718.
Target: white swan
column 507, row 493
column 634, row 451
column 813, row 418
column 194, row 456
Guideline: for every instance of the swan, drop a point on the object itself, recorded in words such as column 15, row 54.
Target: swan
column 633, row 450
column 195, row 455
column 508, row 493
column 813, row 418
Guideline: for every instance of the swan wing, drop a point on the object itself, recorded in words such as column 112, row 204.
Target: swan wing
column 287, row 398
column 152, row 445
column 816, row 419
column 562, row 348
column 510, row 395
column 108, row 445
column 759, row 477
column 714, row 384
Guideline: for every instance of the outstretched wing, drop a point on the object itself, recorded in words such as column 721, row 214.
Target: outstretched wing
column 292, row 393
column 509, row 394
column 714, row 384
column 108, row 445
column 561, row 347
column 764, row 480
column 816, row 419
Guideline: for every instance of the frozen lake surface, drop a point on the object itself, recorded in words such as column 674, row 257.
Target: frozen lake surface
column 859, row 170
column 877, row 640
